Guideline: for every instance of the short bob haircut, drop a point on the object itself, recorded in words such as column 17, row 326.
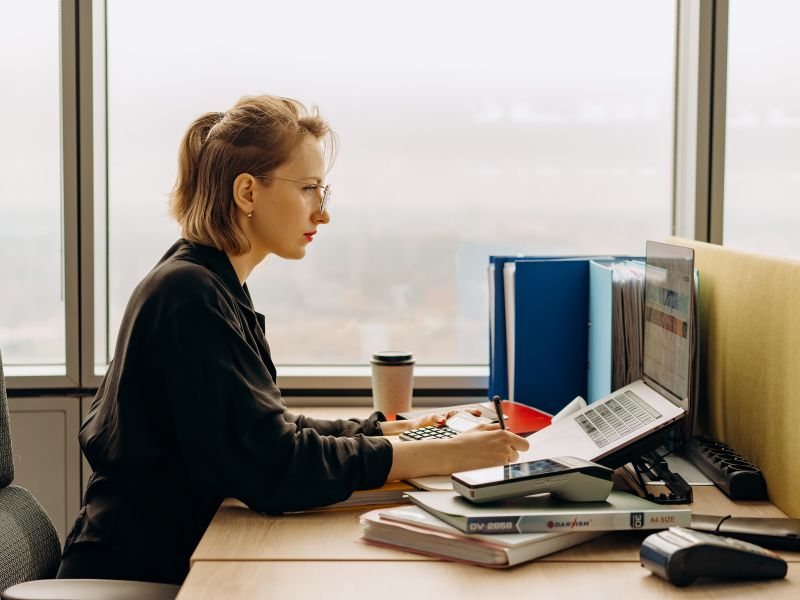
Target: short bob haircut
column 256, row 136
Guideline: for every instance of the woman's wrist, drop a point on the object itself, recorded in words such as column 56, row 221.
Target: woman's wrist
column 418, row 459
column 396, row 427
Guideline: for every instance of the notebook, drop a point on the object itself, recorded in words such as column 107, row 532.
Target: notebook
column 412, row 529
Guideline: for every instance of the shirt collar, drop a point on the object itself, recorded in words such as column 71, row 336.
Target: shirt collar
column 219, row 264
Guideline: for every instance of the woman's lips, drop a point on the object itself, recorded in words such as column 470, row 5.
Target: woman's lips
column 310, row 235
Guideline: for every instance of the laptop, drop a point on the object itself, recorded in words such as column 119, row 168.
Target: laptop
column 658, row 400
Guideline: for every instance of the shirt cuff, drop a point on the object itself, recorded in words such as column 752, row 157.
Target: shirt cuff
column 378, row 455
column 372, row 424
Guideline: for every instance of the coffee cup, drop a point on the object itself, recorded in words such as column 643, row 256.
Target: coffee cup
column 392, row 381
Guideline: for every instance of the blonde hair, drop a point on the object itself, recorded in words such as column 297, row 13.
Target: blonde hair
column 258, row 135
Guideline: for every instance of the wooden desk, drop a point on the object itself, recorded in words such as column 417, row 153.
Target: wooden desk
column 393, row 580
column 247, row 555
column 237, row 533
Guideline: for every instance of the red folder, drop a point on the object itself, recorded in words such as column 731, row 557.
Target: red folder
column 520, row 418
column 523, row 419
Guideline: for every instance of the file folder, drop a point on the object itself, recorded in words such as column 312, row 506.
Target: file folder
column 552, row 332
column 498, row 365
column 598, row 377
column 498, row 344
column 548, row 330
column 607, row 305
column 541, row 345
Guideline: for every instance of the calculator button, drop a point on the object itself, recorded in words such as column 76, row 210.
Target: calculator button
column 430, row 433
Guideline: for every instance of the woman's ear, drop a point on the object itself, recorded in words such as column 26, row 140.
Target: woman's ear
column 243, row 187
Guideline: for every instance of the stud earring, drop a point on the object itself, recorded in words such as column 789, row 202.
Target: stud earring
column 250, row 215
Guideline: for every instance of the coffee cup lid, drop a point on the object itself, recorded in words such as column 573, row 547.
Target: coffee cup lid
column 393, row 357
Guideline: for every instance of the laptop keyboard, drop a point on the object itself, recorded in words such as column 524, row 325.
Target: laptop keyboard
column 616, row 417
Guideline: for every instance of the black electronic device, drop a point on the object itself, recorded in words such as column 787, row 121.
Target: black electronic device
column 778, row 534
column 647, row 460
column 654, row 467
column 568, row 477
column 735, row 476
column 682, row 555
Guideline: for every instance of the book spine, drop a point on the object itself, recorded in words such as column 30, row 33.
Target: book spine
column 654, row 519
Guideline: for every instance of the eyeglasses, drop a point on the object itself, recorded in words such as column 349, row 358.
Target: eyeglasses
column 325, row 189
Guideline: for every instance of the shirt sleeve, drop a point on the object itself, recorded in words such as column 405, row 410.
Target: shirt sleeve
column 350, row 427
column 232, row 428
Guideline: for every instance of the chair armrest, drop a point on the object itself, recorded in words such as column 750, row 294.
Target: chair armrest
column 90, row 589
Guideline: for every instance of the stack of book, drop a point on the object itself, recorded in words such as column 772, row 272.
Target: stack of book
column 506, row 533
column 393, row 492
column 389, row 494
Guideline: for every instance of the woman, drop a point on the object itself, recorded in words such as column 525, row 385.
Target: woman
column 189, row 411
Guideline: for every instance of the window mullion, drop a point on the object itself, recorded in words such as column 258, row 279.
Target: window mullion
column 70, row 186
column 86, row 192
column 700, row 119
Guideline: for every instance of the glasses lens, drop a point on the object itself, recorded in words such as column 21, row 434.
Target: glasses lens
column 326, row 196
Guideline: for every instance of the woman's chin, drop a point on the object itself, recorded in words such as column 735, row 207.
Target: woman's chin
column 293, row 254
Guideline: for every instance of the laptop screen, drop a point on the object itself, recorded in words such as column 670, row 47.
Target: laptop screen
column 668, row 310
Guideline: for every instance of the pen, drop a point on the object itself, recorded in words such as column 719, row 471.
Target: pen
column 499, row 410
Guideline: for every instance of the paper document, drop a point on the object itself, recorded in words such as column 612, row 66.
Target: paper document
column 432, row 483
column 491, row 314
column 570, row 409
column 509, row 270
column 627, row 334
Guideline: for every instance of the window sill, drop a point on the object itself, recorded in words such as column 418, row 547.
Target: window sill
column 296, row 381
column 16, row 371
column 451, row 377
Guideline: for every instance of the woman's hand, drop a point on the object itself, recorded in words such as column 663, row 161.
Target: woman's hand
column 433, row 419
column 484, row 446
column 439, row 419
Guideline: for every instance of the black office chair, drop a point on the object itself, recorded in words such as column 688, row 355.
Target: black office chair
column 30, row 552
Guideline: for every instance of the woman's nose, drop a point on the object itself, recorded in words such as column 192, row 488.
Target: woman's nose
column 322, row 217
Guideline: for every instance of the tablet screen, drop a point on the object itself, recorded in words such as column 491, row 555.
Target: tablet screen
column 535, row 468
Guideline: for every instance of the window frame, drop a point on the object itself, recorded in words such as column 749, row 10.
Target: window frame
column 35, row 377
column 698, row 169
column 699, row 137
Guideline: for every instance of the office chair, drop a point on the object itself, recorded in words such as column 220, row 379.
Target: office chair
column 30, row 550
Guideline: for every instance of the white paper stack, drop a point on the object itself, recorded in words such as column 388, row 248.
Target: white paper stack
column 627, row 332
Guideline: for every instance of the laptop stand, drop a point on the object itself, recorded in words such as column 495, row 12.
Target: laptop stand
column 653, row 465
column 646, row 461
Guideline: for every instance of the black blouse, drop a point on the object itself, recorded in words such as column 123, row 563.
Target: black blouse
column 189, row 413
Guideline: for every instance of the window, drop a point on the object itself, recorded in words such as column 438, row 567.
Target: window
column 762, row 139
column 32, row 301
column 527, row 127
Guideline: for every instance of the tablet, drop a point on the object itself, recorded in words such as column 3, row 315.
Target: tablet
column 568, row 477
